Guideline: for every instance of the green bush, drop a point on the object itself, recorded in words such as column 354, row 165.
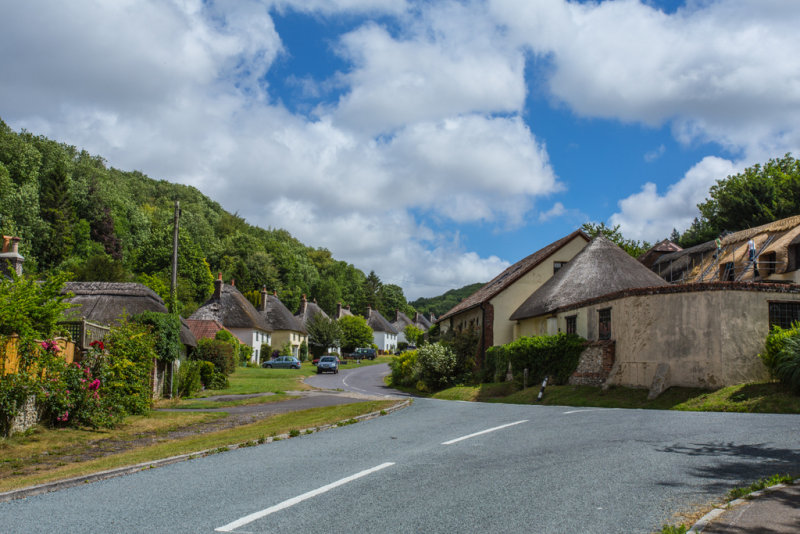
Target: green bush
column 464, row 344
column 218, row 352
column 774, row 344
column 233, row 341
column 245, row 354
column 126, row 370
column 437, row 366
column 165, row 328
column 189, row 377
column 554, row 356
column 404, row 369
column 787, row 363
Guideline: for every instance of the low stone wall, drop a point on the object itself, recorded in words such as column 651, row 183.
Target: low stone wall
column 595, row 364
column 25, row 419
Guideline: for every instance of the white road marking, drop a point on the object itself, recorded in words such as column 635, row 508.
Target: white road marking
column 579, row 411
column 483, row 432
column 230, row 527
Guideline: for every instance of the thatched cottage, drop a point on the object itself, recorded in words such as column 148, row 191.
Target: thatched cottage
column 383, row 333
column 228, row 306
column 489, row 308
column 777, row 256
column 285, row 327
column 655, row 335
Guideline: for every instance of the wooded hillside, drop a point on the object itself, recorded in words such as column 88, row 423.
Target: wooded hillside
column 74, row 213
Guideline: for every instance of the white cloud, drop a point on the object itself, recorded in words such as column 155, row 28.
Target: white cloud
column 727, row 72
column 557, row 210
column 649, row 216
column 449, row 62
column 653, row 155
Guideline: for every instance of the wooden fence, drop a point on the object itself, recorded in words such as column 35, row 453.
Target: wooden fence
column 9, row 357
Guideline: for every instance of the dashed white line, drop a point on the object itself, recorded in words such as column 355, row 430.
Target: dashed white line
column 462, row 438
column 230, row 527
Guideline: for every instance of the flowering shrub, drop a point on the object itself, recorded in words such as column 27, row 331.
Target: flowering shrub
column 404, row 369
column 437, row 366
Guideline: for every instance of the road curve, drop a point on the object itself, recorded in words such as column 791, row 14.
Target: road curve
column 360, row 380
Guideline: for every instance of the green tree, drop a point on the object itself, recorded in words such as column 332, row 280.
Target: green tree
column 756, row 196
column 414, row 335
column 355, row 332
column 323, row 333
column 631, row 246
column 372, row 292
column 391, row 298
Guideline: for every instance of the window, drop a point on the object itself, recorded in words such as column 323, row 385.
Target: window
column 558, row 265
column 604, row 323
column 572, row 324
column 768, row 262
column 783, row 314
column 726, row 272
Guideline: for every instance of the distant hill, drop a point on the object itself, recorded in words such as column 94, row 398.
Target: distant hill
column 442, row 304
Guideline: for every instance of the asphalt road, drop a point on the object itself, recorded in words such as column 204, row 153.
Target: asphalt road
column 428, row 468
column 363, row 380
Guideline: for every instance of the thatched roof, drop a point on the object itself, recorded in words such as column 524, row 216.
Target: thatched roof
column 401, row 321
column 511, row 275
column 278, row 316
column 422, row 322
column 232, row 309
column 107, row 302
column 700, row 259
column 342, row 311
column 308, row 310
column 378, row 322
column 600, row 268
column 656, row 251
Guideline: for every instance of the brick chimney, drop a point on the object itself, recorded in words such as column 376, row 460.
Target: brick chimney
column 218, row 286
column 263, row 298
column 338, row 309
column 396, row 315
column 303, row 306
column 10, row 258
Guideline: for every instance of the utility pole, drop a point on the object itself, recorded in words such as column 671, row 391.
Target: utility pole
column 173, row 287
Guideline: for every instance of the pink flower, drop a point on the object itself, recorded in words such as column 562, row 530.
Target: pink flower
column 95, row 385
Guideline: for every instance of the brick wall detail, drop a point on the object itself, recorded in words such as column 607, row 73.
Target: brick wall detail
column 595, row 364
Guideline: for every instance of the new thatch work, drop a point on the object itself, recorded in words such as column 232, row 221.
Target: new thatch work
column 777, row 247
column 600, row 268
column 106, row 303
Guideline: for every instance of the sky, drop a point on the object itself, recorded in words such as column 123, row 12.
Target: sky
column 434, row 142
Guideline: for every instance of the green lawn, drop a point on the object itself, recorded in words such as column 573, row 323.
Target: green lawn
column 766, row 397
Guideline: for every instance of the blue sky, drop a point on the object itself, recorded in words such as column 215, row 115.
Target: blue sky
column 433, row 142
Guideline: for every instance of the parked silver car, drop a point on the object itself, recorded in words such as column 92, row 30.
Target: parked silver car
column 282, row 362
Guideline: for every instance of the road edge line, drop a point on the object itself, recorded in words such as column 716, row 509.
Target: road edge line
column 48, row 487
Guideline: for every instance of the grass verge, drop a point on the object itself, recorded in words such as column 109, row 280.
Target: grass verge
column 273, row 426
column 766, row 397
